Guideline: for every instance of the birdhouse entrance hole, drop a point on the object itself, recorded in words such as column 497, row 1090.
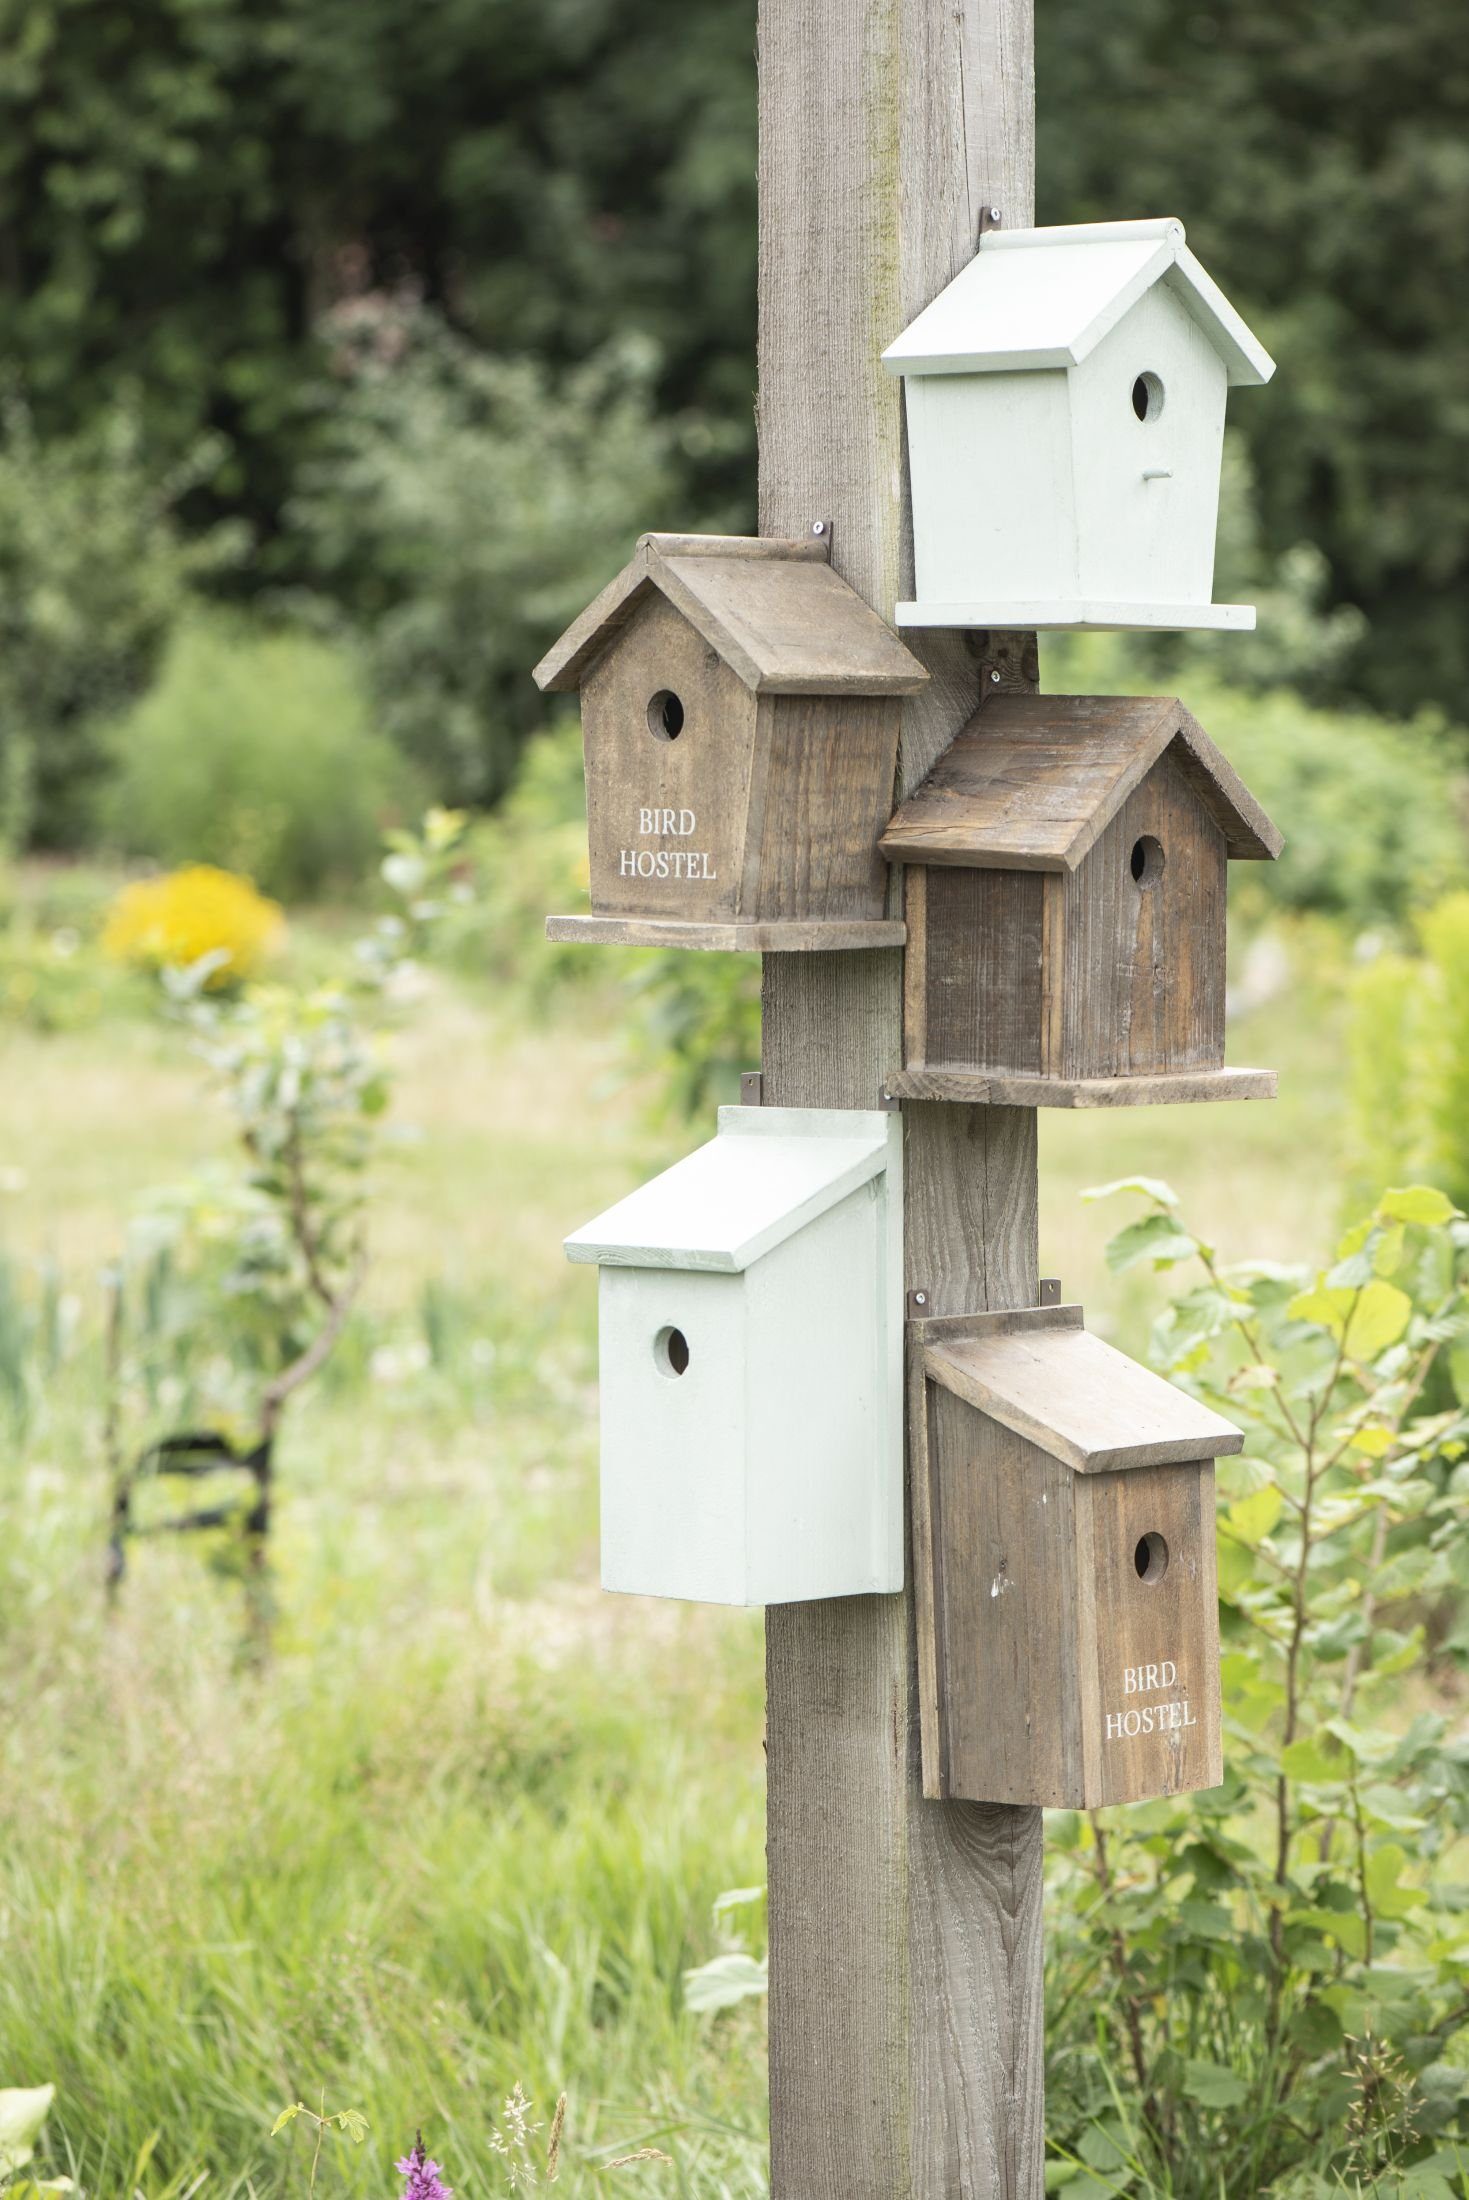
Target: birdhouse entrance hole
column 1147, row 397
column 671, row 1351
column 1147, row 860
column 665, row 716
column 1151, row 1558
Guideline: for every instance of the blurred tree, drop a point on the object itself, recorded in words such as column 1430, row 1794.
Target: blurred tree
column 1319, row 153
column 188, row 186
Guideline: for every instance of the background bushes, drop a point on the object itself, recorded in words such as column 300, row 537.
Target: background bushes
column 255, row 752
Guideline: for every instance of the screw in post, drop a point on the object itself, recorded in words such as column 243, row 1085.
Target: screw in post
column 818, row 526
column 994, row 679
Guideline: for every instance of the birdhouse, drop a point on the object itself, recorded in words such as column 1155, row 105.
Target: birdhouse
column 1065, row 899
column 750, row 1307
column 1064, row 1567
column 1065, row 407
column 740, row 715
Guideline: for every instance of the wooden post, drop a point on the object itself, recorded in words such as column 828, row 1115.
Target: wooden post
column 905, row 1936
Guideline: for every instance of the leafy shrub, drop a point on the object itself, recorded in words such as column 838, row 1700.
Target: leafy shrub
column 1409, row 1054
column 1261, row 1988
column 255, row 753
column 178, row 919
column 93, row 575
column 469, row 507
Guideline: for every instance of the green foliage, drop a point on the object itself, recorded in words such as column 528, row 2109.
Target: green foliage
column 465, row 509
column 254, row 752
column 1409, row 1054
column 1272, row 1972
column 1317, row 155
column 93, row 575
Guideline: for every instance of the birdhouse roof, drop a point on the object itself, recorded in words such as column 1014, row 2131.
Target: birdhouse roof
column 1047, row 297
column 1042, row 1375
column 769, row 1172
column 1033, row 780
column 774, row 611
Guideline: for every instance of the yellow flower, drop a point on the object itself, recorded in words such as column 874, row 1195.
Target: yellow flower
column 193, row 912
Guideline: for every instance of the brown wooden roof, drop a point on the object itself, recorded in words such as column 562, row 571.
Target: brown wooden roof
column 1033, row 780
column 1041, row 1374
column 775, row 611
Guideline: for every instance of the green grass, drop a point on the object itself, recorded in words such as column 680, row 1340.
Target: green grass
column 468, row 1827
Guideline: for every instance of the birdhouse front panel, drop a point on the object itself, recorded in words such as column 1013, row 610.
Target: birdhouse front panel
column 741, row 710
column 1065, row 1567
column 1065, row 894
column 669, row 733
column 1065, row 397
column 751, row 1364
column 1147, row 446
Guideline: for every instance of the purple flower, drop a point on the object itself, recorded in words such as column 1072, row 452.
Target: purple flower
column 421, row 2179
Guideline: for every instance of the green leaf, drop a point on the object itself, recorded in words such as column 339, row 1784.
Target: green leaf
column 736, row 1898
column 353, row 2122
column 1417, row 1203
column 1151, row 1187
column 1212, row 2086
column 723, row 1982
column 23, row 2110
column 1343, row 1926
column 1316, row 1759
column 1385, row 1891
column 1250, row 1519
column 1370, row 1319
column 287, row 2116
column 1156, row 1238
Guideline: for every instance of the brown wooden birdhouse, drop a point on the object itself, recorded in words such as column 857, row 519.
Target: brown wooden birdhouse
column 1065, row 898
column 1064, row 1566
column 740, row 715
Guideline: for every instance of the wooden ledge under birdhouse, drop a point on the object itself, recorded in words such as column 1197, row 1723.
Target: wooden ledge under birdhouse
column 741, row 707
column 1064, row 1566
column 1065, row 884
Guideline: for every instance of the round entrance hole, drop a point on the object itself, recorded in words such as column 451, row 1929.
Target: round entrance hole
column 1147, row 861
column 1147, row 397
column 671, row 1351
column 1151, row 1558
column 665, row 716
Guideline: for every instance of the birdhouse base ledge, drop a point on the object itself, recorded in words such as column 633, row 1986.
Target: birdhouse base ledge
column 1003, row 1089
column 770, row 938
column 1076, row 615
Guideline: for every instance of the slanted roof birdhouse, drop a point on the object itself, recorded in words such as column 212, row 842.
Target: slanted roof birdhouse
column 1065, row 899
column 751, row 1350
column 1065, row 402
column 1064, row 1566
column 740, row 716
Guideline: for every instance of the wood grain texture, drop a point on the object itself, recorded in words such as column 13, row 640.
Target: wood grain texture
column 905, row 1938
column 997, row 1089
column 783, row 938
column 1033, row 781
column 1089, row 1405
column 983, row 959
column 817, row 806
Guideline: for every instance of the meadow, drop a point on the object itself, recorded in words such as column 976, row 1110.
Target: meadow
column 469, row 1826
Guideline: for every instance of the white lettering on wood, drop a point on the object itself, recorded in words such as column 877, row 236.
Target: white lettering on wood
column 1153, row 1718
column 677, row 863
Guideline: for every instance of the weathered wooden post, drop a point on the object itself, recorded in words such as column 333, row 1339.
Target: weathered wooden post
column 905, row 1936
column 1037, row 1623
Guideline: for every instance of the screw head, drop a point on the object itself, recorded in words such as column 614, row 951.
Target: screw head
column 994, row 213
column 994, row 679
column 818, row 526
column 920, row 1298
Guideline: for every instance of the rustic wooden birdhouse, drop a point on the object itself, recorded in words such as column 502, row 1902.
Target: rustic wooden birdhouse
column 1063, row 1553
column 740, row 715
column 1065, row 900
column 1065, row 406
column 750, row 1305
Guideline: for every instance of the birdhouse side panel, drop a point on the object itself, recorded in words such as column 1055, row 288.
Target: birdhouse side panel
column 1148, row 428
column 994, row 503
column 825, row 1487
column 1150, row 1632
column 820, row 804
column 1004, row 1534
column 669, row 733
column 1143, row 939
column 673, row 1410
column 982, row 942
